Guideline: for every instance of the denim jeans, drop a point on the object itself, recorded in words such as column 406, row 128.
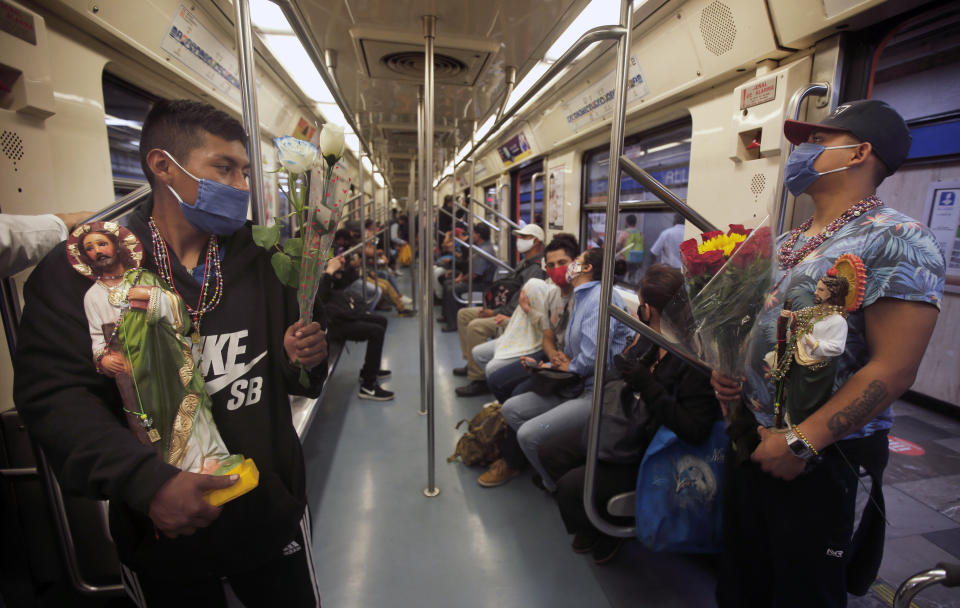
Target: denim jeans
column 536, row 418
column 373, row 293
column 506, row 381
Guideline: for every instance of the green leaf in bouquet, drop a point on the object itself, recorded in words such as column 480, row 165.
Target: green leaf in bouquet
column 293, row 247
column 266, row 236
column 294, row 279
column 282, row 265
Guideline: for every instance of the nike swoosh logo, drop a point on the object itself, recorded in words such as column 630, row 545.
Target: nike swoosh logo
column 234, row 373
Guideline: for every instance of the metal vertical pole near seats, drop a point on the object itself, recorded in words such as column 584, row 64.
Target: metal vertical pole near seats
column 424, row 245
column 363, row 229
column 471, row 219
column 411, row 200
column 426, row 392
column 248, row 100
column 606, row 285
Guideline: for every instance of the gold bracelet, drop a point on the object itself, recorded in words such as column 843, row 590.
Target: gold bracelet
column 803, row 438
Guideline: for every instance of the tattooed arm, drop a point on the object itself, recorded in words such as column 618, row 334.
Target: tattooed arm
column 897, row 335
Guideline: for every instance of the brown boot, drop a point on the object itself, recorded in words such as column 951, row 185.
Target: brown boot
column 498, row 474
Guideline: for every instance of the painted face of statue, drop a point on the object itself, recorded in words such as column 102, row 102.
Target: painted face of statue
column 822, row 294
column 100, row 251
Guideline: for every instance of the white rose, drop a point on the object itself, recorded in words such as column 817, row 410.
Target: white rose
column 296, row 156
column 331, row 143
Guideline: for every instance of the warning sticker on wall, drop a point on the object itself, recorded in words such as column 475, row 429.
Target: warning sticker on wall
column 758, row 93
column 202, row 52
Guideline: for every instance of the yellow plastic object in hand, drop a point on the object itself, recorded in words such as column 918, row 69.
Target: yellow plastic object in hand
column 249, row 479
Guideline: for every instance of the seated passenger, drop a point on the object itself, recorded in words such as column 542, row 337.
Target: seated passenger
column 348, row 321
column 478, row 324
column 483, row 273
column 672, row 394
column 507, row 376
column 533, row 418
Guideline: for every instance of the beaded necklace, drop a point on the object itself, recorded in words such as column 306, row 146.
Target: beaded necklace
column 161, row 256
column 790, row 258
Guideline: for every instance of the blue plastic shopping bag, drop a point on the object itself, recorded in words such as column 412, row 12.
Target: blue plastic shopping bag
column 679, row 493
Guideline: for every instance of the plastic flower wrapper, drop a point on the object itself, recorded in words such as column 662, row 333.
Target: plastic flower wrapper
column 727, row 276
column 312, row 192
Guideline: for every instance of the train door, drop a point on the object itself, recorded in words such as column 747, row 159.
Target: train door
column 665, row 153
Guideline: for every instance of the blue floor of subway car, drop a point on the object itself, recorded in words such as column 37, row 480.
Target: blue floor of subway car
column 378, row 541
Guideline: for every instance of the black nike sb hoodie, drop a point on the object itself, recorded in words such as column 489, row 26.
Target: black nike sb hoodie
column 76, row 414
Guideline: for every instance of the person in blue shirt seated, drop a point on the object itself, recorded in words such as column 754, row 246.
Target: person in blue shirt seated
column 532, row 417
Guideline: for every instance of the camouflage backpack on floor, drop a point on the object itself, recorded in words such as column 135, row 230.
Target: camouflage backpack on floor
column 480, row 445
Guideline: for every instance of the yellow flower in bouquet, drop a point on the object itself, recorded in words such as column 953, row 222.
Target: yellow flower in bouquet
column 722, row 242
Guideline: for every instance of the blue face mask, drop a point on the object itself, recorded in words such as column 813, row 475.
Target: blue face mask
column 220, row 209
column 799, row 173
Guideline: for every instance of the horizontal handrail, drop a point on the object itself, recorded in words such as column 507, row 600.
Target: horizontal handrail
column 19, row 472
column 659, row 339
column 597, row 34
column 357, row 210
column 484, row 254
column 363, row 242
column 506, row 219
column 664, row 194
column 121, row 206
column 477, row 217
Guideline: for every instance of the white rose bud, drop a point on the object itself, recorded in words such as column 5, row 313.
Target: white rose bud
column 296, row 156
column 331, row 143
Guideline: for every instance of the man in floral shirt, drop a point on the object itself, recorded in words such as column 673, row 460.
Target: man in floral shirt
column 791, row 492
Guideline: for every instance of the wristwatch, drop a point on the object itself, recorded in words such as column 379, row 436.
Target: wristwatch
column 799, row 447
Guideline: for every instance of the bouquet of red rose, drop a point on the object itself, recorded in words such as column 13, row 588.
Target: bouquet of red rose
column 727, row 276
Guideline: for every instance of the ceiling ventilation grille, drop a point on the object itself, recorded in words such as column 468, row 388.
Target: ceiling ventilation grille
column 399, row 55
column 409, row 64
column 718, row 28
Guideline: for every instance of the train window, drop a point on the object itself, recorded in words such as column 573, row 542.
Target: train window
column 525, row 209
column 663, row 152
column 125, row 107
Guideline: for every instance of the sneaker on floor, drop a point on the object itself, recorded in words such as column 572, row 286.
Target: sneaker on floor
column 477, row 387
column 375, row 393
column 447, row 329
column 537, row 480
column 498, row 474
column 584, row 541
column 407, row 301
column 606, row 548
column 406, row 312
column 460, row 371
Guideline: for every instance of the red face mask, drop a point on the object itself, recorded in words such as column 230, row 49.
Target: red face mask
column 559, row 275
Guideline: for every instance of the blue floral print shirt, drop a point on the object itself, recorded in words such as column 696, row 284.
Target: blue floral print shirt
column 903, row 261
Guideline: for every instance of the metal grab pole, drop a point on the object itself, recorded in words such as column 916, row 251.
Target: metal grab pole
column 664, row 194
column 488, row 256
column 363, row 234
column 411, row 231
column 429, row 34
column 597, row 34
column 606, row 285
column 470, row 218
column 499, row 216
column 248, row 100
column 424, row 246
column 816, row 88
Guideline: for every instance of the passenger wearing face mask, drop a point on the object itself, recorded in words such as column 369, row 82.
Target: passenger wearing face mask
column 477, row 325
column 250, row 346
column 505, row 372
column 533, row 418
column 790, row 496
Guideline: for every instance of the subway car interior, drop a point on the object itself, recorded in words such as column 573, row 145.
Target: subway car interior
column 610, row 120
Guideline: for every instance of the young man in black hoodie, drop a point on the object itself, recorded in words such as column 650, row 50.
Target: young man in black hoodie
column 175, row 547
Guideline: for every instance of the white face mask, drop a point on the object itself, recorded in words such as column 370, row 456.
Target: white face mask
column 524, row 245
column 573, row 271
